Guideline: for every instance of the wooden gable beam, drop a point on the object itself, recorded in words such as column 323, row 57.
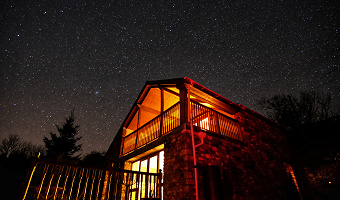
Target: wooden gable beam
column 148, row 109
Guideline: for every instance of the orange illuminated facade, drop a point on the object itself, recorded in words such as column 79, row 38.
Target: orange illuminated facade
column 157, row 112
column 163, row 131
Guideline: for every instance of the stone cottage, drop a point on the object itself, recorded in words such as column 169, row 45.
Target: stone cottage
column 206, row 146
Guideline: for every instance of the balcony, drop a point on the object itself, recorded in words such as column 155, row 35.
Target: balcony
column 160, row 125
column 213, row 121
column 201, row 116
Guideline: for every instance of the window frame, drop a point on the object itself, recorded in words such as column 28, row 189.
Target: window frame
column 148, row 158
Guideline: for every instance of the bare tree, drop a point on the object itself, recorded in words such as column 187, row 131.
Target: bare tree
column 296, row 111
column 313, row 136
column 14, row 145
column 31, row 150
column 10, row 145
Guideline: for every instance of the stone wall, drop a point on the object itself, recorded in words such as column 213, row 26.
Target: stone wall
column 251, row 169
column 178, row 167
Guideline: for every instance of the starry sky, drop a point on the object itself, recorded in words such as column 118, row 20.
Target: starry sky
column 95, row 56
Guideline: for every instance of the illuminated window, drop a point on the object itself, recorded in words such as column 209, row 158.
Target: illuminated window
column 204, row 124
column 161, row 167
column 151, row 164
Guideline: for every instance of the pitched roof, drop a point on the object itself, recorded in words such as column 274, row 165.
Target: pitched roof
column 200, row 91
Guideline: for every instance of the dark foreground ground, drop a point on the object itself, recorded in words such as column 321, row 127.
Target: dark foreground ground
column 12, row 175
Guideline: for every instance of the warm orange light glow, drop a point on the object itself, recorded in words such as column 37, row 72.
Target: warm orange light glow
column 204, row 124
column 207, row 105
column 290, row 170
column 151, row 165
column 161, row 167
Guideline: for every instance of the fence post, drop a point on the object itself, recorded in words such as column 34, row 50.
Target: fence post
column 28, row 178
column 106, row 183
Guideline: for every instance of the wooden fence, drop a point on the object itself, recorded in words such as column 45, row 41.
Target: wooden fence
column 47, row 180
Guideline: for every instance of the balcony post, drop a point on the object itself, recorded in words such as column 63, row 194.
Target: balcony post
column 123, row 140
column 217, row 123
column 107, row 182
column 183, row 98
column 162, row 112
column 138, row 125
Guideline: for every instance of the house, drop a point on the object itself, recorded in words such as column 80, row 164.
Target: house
column 206, row 146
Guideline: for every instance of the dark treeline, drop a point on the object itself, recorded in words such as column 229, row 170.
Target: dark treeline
column 16, row 155
column 312, row 122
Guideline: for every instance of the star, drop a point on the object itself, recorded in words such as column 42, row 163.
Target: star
column 96, row 57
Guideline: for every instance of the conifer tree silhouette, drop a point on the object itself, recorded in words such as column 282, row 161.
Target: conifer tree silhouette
column 63, row 147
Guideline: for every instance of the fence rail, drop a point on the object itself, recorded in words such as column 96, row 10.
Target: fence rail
column 48, row 180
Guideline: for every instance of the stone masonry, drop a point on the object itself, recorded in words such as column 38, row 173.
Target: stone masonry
column 249, row 169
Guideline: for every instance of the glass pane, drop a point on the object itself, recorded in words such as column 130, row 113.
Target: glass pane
column 133, row 195
column 161, row 166
column 152, row 169
column 134, row 184
column 135, row 166
column 144, row 166
column 153, row 164
column 161, row 160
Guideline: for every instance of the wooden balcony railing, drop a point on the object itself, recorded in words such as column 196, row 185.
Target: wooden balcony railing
column 150, row 131
column 47, row 180
column 214, row 121
column 201, row 116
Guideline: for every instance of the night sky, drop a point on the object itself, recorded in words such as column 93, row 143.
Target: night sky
column 95, row 56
